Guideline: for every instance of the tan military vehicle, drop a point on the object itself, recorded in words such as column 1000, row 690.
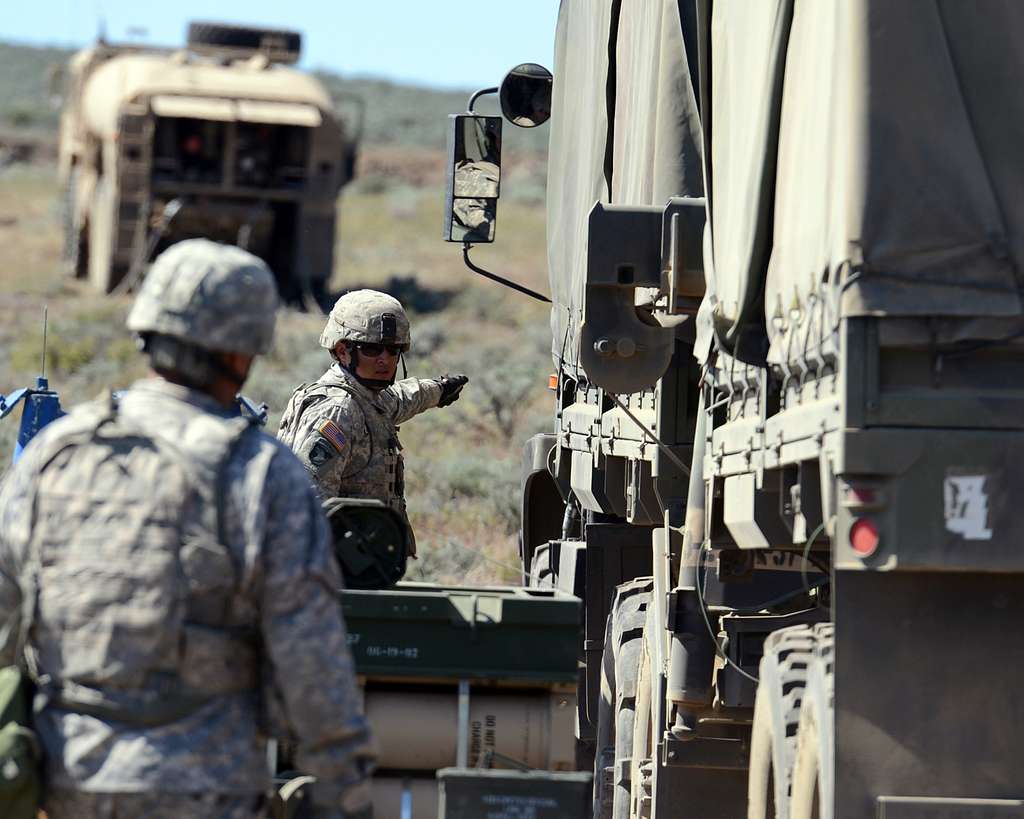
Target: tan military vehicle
column 221, row 139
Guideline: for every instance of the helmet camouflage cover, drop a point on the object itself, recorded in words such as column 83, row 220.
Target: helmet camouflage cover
column 367, row 315
column 216, row 297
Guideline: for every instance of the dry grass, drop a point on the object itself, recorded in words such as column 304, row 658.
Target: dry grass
column 462, row 462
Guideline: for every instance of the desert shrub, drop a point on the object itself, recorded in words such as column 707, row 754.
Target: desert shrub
column 452, row 561
column 22, row 116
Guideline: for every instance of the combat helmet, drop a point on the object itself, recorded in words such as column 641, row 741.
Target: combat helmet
column 200, row 299
column 368, row 316
column 215, row 297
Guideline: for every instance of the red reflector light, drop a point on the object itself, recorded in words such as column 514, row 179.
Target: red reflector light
column 864, row 537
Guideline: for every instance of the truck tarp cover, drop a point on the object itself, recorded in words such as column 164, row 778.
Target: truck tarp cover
column 626, row 131
column 865, row 160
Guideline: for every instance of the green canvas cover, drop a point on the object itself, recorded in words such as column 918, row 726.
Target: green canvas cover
column 625, row 129
column 897, row 188
column 747, row 67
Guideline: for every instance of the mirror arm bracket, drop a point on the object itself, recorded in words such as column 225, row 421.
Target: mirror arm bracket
column 500, row 279
column 477, row 94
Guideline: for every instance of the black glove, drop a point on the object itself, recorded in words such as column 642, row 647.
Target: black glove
column 451, row 386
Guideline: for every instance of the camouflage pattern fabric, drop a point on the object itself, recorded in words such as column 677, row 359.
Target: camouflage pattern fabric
column 358, row 316
column 65, row 804
column 346, row 435
column 477, row 179
column 216, row 297
column 285, row 598
column 474, row 219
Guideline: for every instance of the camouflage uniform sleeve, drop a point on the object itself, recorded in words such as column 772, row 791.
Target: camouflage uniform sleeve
column 330, row 436
column 305, row 638
column 16, row 490
column 411, row 396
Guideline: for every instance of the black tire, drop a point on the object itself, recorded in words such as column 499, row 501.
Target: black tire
column 781, row 681
column 814, row 764
column 76, row 244
column 620, row 665
column 227, row 36
column 643, row 756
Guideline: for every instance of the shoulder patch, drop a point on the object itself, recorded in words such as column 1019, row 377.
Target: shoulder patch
column 321, row 453
column 332, row 432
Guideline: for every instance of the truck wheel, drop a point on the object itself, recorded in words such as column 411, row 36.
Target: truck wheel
column 782, row 677
column 643, row 755
column 215, row 34
column 101, row 229
column 619, row 668
column 76, row 245
column 814, row 766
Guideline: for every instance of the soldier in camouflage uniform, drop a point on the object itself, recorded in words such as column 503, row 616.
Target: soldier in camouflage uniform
column 344, row 426
column 170, row 572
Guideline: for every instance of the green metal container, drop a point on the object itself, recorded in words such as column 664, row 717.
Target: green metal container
column 473, row 633
column 469, row 793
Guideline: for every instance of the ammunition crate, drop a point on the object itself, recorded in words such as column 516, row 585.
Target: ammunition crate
column 468, row 793
column 475, row 633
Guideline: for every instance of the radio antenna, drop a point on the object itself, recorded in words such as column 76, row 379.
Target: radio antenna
column 42, row 364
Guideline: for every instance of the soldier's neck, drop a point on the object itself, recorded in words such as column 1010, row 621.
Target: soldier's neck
column 222, row 391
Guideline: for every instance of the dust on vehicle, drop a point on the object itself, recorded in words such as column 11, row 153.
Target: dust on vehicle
column 222, row 138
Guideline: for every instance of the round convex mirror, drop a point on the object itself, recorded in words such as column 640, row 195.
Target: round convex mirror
column 526, row 95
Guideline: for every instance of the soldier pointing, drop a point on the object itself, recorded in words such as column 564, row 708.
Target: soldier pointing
column 169, row 570
column 344, row 426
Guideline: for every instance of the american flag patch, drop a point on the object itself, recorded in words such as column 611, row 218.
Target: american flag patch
column 332, row 433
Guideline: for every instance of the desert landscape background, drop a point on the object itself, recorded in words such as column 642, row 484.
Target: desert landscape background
column 462, row 463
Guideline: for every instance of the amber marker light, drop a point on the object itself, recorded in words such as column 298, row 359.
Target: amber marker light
column 864, row 537
column 553, row 381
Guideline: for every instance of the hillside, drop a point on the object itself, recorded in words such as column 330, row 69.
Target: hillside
column 397, row 115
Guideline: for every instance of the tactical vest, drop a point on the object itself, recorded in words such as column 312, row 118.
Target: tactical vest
column 135, row 587
column 382, row 475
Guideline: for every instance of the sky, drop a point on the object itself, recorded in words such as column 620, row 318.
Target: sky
column 426, row 42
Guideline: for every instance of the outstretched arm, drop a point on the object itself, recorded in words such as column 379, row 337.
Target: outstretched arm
column 411, row 396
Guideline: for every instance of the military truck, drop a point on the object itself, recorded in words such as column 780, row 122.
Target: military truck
column 785, row 253
column 221, row 139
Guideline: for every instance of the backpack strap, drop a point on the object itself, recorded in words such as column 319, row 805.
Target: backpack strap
column 29, row 581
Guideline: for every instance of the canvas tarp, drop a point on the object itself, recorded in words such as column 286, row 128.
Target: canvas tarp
column 899, row 189
column 625, row 129
column 748, row 62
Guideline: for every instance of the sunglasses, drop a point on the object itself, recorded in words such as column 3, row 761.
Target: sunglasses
column 373, row 350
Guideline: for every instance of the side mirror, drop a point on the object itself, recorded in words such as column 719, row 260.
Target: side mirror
column 525, row 95
column 474, row 177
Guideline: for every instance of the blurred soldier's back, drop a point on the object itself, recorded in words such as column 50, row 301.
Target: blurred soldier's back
column 171, row 569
